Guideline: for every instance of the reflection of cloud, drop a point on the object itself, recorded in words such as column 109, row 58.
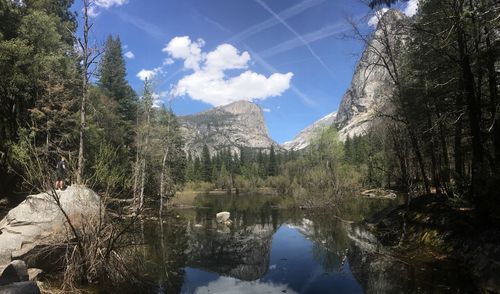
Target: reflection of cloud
column 226, row 285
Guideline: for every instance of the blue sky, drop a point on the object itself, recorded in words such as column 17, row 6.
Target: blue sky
column 292, row 57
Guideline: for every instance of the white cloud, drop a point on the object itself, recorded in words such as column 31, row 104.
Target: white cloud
column 129, row 55
column 109, row 3
column 373, row 21
column 94, row 10
column 184, row 48
column 266, row 109
column 157, row 99
column 149, row 73
column 209, row 81
column 224, row 57
column 168, row 61
column 411, row 8
column 145, row 74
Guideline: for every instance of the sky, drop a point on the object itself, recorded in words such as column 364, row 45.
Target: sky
column 294, row 58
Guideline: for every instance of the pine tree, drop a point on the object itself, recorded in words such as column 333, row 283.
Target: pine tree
column 112, row 79
column 206, row 165
column 273, row 166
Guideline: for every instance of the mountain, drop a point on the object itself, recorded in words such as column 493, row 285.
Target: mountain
column 369, row 92
column 236, row 125
column 371, row 86
column 304, row 138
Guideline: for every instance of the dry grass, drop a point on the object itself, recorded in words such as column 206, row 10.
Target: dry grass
column 184, row 199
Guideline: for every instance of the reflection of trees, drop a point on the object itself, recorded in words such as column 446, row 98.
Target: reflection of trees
column 164, row 256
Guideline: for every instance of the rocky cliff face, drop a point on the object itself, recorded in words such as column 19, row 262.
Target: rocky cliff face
column 307, row 135
column 239, row 124
column 371, row 86
column 370, row 90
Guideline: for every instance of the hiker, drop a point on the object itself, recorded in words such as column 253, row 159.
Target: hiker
column 61, row 173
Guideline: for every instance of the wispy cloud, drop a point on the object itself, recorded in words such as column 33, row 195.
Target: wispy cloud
column 305, row 40
column 145, row 26
column 269, row 23
column 217, row 25
column 299, row 37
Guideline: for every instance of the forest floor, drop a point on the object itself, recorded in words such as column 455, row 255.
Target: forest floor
column 448, row 230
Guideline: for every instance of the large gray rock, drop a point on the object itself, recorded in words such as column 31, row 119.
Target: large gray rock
column 39, row 220
column 239, row 124
column 14, row 272
column 371, row 87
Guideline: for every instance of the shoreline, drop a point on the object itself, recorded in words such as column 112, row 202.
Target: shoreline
column 446, row 232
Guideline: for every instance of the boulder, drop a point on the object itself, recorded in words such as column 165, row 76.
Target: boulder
column 38, row 220
column 28, row 287
column 34, row 273
column 223, row 217
column 14, row 272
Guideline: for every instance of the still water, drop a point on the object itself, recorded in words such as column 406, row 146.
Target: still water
column 271, row 250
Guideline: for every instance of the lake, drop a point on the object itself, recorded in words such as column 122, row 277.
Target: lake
column 271, row 250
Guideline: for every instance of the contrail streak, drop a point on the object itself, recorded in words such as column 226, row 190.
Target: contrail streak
column 282, row 21
column 308, row 101
column 320, row 34
column 285, row 14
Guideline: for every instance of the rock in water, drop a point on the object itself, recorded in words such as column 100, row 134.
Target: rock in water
column 38, row 220
column 223, row 217
column 239, row 124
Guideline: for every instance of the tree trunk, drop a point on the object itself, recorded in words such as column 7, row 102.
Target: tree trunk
column 445, row 171
column 420, row 159
column 162, row 181
column 86, row 56
column 493, row 91
column 474, row 112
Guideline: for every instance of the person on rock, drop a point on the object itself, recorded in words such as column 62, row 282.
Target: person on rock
column 61, row 173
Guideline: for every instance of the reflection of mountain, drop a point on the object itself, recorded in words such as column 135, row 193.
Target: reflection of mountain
column 240, row 253
column 374, row 269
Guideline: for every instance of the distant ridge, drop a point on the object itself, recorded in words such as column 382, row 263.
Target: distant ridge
column 304, row 138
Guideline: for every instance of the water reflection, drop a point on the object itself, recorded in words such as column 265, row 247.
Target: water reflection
column 267, row 250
